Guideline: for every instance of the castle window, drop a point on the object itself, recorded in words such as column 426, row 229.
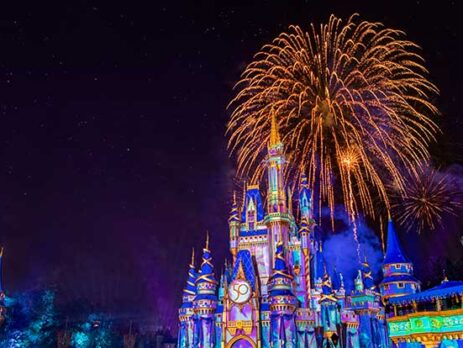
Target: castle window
column 400, row 285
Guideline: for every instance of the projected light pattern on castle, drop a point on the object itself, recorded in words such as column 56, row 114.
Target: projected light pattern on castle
column 278, row 292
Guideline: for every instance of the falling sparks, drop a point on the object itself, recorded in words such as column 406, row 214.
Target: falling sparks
column 429, row 195
column 352, row 103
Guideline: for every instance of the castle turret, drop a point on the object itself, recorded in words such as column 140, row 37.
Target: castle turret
column 277, row 220
column 330, row 318
column 305, row 198
column 367, row 275
column 276, row 195
column 397, row 269
column 186, row 314
column 205, row 302
column 283, row 303
column 234, row 224
column 241, row 302
column 304, row 233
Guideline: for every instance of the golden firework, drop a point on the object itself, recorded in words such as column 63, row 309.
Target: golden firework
column 353, row 106
column 429, row 195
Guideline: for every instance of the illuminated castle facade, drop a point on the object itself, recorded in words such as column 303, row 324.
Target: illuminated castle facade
column 277, row 292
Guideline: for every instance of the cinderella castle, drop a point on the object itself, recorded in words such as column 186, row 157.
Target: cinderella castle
column 278, row 293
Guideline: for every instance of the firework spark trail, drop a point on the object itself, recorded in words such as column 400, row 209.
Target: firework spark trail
column 356, row 88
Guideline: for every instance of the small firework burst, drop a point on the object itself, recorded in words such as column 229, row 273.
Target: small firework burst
column 429, row 196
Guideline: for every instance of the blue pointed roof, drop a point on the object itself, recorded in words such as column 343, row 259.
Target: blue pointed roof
column 253, row 193
column 281, row 269
column 206, row 284
column 280, row 279
column 206, row 274
column 244, row 258
column 394, row 253
column 190, row 288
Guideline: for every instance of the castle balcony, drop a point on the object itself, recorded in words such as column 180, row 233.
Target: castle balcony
column 446, row 296
column 277, row 217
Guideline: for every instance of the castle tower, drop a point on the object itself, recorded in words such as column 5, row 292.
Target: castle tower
column 330, row 318
column 241, row 318
column 186, row 313
column 205, row 302
column 277, row 219
column 366, row 303
column 367, row 276
column 305, row 287
column 234, row 226
column 283, row 303
column 397, row 269
column 305, row 198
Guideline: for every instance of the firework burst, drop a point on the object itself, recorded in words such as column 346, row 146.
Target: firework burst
column 429, row 195
column 352, row 103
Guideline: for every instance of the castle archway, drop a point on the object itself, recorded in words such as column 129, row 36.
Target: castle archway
column 241, row 342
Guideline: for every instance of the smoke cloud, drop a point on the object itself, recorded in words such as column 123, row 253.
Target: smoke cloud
column 340, row 248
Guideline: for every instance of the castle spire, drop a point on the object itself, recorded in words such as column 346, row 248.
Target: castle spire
column 277, row 220
column 327, row 286
column 281, row 268
column 397, row 269
column 394, row 253
column 206, row 273
column 282, row 301
column 367, row 275
column 205, row 301
column 305, row 198
column 234, row 226
column 190, row 288
column 234, row 209
column 280, row 282
column 274, row 134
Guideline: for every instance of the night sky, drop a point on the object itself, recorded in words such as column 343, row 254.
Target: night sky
column 113, row 161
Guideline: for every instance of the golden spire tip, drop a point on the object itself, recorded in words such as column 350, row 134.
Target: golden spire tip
column 274, row 134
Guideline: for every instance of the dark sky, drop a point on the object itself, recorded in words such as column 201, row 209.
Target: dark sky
column 113, row 160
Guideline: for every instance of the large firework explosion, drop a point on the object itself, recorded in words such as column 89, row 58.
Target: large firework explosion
column 429, row 196
column 353, row 106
